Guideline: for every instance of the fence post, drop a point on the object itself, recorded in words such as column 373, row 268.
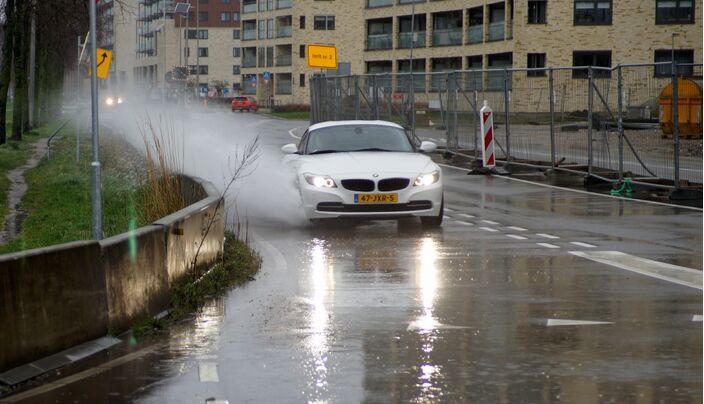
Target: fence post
column 476, row 122
column 455, row 108
column 676, row 123
column 356, row 97
column 551, row 89
column 337, row 94
column 507, row 125
column 375, row 97
column 619, row 122
column 590, row 106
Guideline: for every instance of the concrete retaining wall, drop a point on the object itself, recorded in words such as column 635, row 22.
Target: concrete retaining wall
column 57, row 297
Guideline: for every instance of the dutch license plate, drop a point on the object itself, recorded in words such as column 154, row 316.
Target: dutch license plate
column 375, row 198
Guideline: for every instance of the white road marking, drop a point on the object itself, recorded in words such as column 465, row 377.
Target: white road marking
column 545, row 235
column 449, row 210
column 208, row 372
column 446, row 217
column 490, row 222
column 547, row 245
column 659, row 270
column 467, row 215
column 462, row 222
column 425, row 325
column 517, row 228
column 553, row 322
column 516, row 236
column 293, row 135
column 580, row 244
column 489, row 229
column 697, row 317
column 279, row 260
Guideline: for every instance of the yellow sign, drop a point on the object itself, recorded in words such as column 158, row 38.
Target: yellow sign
column 322, row 56
column 103, row 57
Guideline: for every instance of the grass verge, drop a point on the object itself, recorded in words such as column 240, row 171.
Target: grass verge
column 58, row 200
column 299, row 116
column 239, row 265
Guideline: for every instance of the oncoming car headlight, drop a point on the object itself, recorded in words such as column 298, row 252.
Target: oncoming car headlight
column 320, row 181
column 427, row 179
column 109, row 101
column 119, row 100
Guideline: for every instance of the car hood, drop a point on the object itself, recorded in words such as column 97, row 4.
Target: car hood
column 365, row 163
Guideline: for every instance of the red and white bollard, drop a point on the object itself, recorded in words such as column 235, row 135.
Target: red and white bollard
column 487, row 126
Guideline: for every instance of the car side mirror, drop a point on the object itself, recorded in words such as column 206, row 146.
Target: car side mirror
column 289, row 148
column 428, row 147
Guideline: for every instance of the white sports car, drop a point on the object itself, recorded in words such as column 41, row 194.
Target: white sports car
column 366, row 170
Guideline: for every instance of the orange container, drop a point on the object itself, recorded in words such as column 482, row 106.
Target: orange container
column 689, row 108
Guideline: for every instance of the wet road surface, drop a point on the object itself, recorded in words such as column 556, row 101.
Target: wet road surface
column 526, row 294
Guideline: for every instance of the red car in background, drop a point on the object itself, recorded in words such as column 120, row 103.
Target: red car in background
column 242, row 103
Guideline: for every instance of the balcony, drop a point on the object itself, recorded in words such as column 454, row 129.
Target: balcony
column 283, row 4
column 249, row 61
column 283, row 60
column 249, row 8
column 249, row 35
column 284, row 31
column 442, row 37
column 381, row 41
column 496, row 31
column 476, row 34
column 407, row 40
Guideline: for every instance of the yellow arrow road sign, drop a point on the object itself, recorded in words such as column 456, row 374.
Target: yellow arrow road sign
column 104, row 57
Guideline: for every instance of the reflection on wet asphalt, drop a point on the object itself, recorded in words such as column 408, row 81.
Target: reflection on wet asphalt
column 388, row 312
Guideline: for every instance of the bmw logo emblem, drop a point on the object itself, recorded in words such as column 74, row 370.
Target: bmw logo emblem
column 375, row 175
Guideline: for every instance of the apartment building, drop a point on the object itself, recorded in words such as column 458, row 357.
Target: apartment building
column 423, row 36
column 151, row 38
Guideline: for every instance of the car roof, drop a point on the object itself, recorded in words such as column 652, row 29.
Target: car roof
column 330, row 124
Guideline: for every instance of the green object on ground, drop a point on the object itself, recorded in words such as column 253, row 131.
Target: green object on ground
column 626, row 186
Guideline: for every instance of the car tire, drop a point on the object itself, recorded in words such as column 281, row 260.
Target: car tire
column 431, row 222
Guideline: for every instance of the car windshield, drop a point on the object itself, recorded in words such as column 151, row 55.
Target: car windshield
column 350, row 138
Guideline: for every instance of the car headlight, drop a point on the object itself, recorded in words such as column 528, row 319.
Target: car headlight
column 427, row 179
column 320, row 181
column 109, row 101
column 119, row 100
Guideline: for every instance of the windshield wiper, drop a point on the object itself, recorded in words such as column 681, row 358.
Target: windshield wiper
column 371, row 149
column 324, row 151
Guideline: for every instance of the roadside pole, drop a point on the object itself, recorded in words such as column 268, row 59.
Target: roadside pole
column 96, row 199
column 78, row 98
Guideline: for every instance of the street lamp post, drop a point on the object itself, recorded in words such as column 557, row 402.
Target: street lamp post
column 96, row 198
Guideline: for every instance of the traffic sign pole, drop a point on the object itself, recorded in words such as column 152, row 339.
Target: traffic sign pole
column 96, row 198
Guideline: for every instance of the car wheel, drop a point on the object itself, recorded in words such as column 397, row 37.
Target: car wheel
column 430, row 222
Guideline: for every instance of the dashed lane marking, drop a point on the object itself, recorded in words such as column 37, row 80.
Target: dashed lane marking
column 516, row 236
column 545, row 235
column 446, row 217
column 547, row 245
column 208, row 372
column 654, row 269
column 489, row 229
column 462, row 222
column 554, row 322
column 517, row 228
column 697, row 317
column 491, row 222
column 449, row 210
column 467, row 215
column 580, row 244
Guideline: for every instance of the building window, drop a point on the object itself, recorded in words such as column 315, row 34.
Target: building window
column 201, row 69
column 202, row 1
column 324, row 22
column 266, row 5
column 203, row 52
column 225, row 1
column 236, row 52
column 302, row 21
column 235, row 34
column 261, row 57
column 674, row 11
column 682, row 56
column 186, row 52
column 225, row 17
column 536, row 61
column 594, row 59
column 302, row 51
column 379, row 3
column 235, row 16
column 592, row 12
column 197, row 34
column 236, row 69
column 269, row 56
column 302, row 80
column 537, row 11
column 379, row 33
column 203, row 16
column 262, row 29
column 270, row 28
